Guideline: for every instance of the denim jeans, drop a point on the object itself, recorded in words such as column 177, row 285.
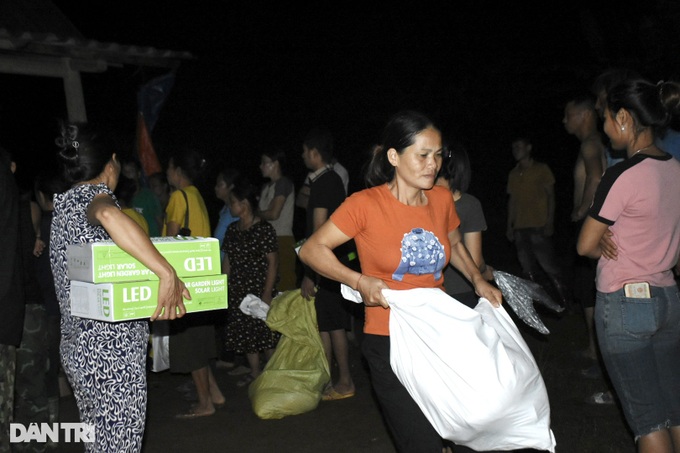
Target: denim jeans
column 533, row 247
column 640, row 343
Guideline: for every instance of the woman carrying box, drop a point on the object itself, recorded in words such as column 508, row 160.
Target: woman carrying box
column 105, row 362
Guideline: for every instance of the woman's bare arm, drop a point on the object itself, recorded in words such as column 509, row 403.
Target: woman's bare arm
column 130, row 237
column 317, row 253
column 272, row 272
column 461, row 260
column 273, row 212
column 473, row 242
column 589, row 238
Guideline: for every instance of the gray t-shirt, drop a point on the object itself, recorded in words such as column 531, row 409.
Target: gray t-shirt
column 282, row 187
column 472, row 219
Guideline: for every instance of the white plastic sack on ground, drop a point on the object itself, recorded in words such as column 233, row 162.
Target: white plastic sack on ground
column 470, row 371
column 254, row 306
column 160, row 345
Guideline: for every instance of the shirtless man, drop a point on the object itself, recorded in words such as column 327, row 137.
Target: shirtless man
column 581, row 120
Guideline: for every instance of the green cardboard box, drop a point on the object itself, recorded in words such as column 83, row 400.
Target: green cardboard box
column 105, row 262
column 125, row 301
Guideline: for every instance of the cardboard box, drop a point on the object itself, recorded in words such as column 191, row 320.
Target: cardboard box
column 105, row 262
column 125, row 301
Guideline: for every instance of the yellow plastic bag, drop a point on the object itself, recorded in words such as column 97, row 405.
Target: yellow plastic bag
column 293, row 379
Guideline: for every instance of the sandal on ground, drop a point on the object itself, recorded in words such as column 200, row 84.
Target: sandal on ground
column 245, row 380
column 333, row 395
column 194, row 406
column 601, row 398
column 191, row 415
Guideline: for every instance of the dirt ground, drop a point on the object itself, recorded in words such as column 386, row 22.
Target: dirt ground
column 355, row 424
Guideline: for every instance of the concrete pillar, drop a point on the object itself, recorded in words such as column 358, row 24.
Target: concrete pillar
column 75, row 100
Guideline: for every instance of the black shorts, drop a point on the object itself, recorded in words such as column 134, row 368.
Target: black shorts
column 332, row 311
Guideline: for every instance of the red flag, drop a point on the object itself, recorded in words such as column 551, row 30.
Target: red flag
column 150, row 99
column 147, row 154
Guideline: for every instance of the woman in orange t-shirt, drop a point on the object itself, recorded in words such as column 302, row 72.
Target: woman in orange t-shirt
column 406, row 232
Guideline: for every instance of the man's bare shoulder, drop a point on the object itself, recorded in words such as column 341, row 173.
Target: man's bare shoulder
column 592, row 147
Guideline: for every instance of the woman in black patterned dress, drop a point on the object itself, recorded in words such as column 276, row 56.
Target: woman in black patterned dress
column 251, row 261
column 105, row 362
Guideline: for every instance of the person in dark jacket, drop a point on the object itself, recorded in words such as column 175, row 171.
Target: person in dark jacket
column 11, row 293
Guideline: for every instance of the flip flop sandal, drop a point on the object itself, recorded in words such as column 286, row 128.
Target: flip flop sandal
column 191, row 415
column 332, row 395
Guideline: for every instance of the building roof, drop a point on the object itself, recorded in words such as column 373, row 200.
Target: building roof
column 37, row 28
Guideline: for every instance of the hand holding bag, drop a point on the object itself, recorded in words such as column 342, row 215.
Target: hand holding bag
column 160, row 345
column 470, row 371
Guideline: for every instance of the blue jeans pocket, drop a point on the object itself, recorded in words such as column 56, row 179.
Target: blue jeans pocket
column 639, row 316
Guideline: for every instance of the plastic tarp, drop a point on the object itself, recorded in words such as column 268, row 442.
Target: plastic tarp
column 520, row 294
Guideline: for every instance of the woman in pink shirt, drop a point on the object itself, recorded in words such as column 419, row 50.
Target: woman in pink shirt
column 633, row 228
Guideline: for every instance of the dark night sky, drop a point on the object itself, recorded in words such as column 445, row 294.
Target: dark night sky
column 267, row 71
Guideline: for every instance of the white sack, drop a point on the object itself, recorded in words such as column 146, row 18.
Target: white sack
column 160, row 345
column 470, row 371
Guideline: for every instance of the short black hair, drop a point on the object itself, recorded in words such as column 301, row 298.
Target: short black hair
column 321, row 139
column 125, row 190
column 584, row 101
